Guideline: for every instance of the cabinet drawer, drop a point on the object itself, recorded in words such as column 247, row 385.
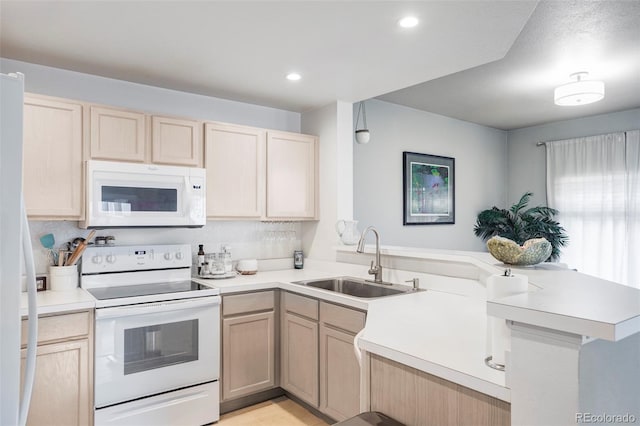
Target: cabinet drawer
column 341, row 317
column 249, row 302
column 301, row 305
column 58, row 327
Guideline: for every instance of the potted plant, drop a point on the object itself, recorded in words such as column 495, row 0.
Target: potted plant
column 520, row 224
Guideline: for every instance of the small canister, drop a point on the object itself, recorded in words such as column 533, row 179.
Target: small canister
column 298, row 259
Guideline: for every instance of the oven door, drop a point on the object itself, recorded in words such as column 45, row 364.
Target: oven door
column 150, row 348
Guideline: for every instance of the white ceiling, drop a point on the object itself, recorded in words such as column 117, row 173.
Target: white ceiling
column 561, row 37
column 453, row 63
column 347, row 50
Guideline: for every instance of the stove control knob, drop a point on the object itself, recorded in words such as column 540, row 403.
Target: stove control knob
column 111, row 258
column 168, row 256
column 97, row 259
column 179, row 255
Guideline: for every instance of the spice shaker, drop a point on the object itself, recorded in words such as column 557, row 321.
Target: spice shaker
column 200, row 258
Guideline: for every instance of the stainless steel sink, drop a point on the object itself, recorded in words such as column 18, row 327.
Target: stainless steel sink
column 356, row 287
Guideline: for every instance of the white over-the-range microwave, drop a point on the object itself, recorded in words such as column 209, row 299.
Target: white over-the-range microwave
column 120, row 195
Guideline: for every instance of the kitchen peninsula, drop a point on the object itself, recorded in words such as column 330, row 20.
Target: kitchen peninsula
column 575, row 338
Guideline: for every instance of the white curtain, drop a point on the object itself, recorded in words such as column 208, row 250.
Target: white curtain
column 633, row 208
column 594, row 182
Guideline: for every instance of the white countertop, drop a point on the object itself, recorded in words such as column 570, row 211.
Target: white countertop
column 282, row 279
column 439, row 333
column 52, row 302
column 574, row 303
column 567, row 301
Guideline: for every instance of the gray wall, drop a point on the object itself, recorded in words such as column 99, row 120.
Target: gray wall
column 480, row 171
column 527, row 163
column 92, row 88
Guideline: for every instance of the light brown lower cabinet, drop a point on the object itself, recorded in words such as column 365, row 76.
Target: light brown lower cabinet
column 415, row 398
column 248, row 344
column 318, row 362
column 339, row 368
column 63, row 387
column 339, row 374
column 300, row 357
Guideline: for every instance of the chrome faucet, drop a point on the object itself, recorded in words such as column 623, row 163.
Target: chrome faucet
column 376, row 269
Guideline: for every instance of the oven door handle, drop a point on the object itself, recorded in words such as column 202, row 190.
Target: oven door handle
column 159, row 307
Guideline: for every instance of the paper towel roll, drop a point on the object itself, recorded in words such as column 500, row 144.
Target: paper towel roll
column 502, row 286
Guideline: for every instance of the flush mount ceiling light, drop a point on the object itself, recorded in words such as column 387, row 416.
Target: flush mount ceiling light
column 362, row 135
column 293, row 76
column 408, row 22
column 579, row 92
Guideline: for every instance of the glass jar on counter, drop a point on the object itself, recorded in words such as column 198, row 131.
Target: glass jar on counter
column 213, row 264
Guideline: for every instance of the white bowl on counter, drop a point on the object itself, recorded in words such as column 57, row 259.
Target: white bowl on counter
column 247, row 266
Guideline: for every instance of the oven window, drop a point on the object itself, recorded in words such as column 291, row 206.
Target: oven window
column 132, row 199
column 156, row 346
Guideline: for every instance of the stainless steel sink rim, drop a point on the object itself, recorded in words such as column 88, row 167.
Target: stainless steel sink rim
column 356, row 287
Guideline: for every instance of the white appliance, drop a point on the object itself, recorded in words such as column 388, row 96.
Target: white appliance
column 157, row 337
column 14, row 233
column 122, row 195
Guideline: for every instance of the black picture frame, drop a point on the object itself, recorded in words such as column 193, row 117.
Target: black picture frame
column 428, row 189
column 41, row 283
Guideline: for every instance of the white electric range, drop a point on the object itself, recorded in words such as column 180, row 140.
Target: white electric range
column 157, row 336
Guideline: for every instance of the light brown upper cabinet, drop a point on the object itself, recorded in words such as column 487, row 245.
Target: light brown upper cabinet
column 176, row 141
column 52, row 158
column 122, row 135
column 234, row 157
column 292, row 176
column 117, row 135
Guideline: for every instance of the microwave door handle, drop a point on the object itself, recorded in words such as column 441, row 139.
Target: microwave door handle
column 189, row 194
column 160, row 307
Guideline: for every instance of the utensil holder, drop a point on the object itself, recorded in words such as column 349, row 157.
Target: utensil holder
column 63, row 278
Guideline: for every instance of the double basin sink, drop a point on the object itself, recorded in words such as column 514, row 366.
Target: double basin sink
column 357, row 287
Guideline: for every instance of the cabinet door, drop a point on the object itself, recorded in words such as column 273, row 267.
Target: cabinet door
column 339, row 374
column 176, row 141
column 300, row 358
column 52, row 158
column 117, row 135
column 62, row 389
column 248, row 351
column 291, row 175
column 414, row 397
column 234, row 159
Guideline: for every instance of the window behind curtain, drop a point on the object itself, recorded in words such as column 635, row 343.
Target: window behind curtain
column 593, row 182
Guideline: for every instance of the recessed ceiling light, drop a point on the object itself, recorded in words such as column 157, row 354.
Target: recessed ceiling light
column 293, row 76
column 408, row 22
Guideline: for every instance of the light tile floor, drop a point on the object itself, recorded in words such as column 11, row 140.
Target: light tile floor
column 276, row 412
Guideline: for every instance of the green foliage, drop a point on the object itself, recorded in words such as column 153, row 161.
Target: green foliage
column 521, row 224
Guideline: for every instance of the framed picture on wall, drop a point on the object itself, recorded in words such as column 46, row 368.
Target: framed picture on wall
column 428, row 183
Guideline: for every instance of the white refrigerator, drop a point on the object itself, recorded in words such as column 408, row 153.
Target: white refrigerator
column 16, row 255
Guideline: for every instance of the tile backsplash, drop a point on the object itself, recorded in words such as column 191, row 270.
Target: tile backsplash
column 247, row 239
